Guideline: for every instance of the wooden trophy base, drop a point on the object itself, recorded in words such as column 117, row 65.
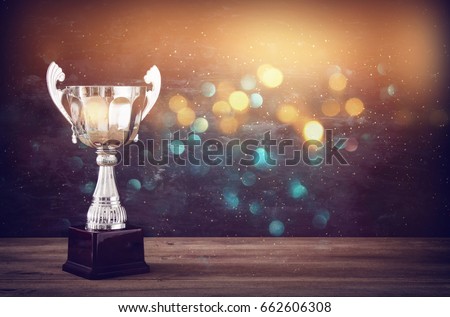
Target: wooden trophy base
column 102, row 254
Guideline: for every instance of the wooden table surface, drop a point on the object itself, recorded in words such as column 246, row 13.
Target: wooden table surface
column 241, row 267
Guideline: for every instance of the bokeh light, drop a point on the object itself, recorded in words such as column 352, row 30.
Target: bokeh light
column 248, row 178
column 199, row 125
column 381, row 68
column 186, row 116
column 194, row 139
column 337, row 82
column 255, row 207
column 331, row 108
column 354, row 106
column 313, row 130
column 351, row 145
column 287, row 113
column 238, row 100
column 276, row 228
column 319, row 221
column 248, row 82
column 134, row 184
column 256, row 100
column 87, row 188
column 231, row 198
column 391, row 90
column 228, row 125
column 297, row 190
column 208, row 89
column 177, row 147
column 221, row 108
column 75, row 163
column 177, row 103
column 261, row 160
column 270, row 76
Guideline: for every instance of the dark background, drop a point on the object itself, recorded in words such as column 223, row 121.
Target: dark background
column 397, row 183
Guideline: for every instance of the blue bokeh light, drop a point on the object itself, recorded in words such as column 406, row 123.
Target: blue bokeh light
column 231, row 198
column 276, row 228
column 256, row 100
column 248, row 82
column 208, row 89
column 177, row 147
column 255, row 207
column 87, row 188
column 297, row 190
column 134, row 184
column 248, row 178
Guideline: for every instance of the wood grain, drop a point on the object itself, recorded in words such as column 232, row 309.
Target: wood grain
column 241, row 267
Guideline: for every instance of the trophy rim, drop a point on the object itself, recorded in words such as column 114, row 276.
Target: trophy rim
column 105, row 86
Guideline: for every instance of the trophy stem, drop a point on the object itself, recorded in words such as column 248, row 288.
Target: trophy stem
column 106, row 212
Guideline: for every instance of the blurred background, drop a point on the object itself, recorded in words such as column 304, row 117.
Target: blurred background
column 375, row 73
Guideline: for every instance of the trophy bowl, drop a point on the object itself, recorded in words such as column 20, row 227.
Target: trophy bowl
column 105, row 118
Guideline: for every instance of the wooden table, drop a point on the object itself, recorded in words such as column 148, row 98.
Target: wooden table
column 241, row 267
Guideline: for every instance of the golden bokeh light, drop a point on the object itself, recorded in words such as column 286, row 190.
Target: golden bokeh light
column 228, row 125
column 354, row 106
column 270, row 76
column 221, row 108
column 238, row 100
column 331, row 108
column 287, row 113
column 186, row 116
column 313, row 130
column 177, row 103
column 337, row 82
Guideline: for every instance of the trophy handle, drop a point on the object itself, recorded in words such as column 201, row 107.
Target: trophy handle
column 153, row 77
column 55, row 74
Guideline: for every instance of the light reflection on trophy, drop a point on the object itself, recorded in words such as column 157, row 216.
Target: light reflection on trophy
column 105, row 118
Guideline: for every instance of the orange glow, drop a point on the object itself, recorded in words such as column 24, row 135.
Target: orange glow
column 186, row 116
column 228, row 125
column 177, row 103
column 354, row 106
column 287, row 113
column 221, row 108
column 337, row 82
column 331, row 108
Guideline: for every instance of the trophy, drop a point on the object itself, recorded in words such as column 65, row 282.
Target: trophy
column 105, row 118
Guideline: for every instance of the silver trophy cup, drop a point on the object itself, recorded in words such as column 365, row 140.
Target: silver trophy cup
column 104, row 118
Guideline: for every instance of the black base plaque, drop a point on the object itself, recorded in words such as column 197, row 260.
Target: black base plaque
column 101, row 254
